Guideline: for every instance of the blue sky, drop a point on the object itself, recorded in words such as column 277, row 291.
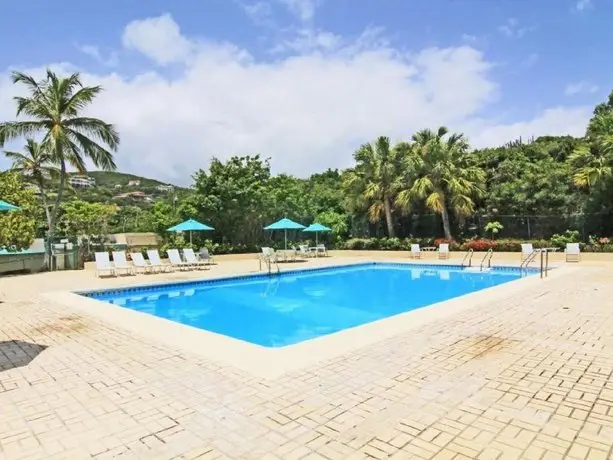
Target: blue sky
column 520, row 60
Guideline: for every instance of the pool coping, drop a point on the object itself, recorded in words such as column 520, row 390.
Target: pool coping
column 269, row 363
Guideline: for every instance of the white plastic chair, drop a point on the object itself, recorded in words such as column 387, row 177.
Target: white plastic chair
column 140, row 263
column 156, row 261
column 321, row 249
column 121, row 263
column 415, row 251
column 526, row 250
column 206, row 256
column 573, row 252
column 443, row 251
column 176, row 261
column 103, row 264
column 190, row 258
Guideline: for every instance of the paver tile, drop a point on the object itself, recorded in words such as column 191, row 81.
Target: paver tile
column 519, row 377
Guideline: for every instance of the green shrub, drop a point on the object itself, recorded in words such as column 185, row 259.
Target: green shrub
column 569, row 236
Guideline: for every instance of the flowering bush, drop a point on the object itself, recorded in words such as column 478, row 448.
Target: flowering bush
column 479, row 245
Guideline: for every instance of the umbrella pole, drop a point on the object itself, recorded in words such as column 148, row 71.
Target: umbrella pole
column 316, row 241
column 285, row 239
column 190, row 237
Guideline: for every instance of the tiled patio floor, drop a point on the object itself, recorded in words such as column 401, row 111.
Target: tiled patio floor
column 528, row 377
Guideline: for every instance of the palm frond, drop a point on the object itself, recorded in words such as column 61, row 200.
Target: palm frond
column 12, row 130
column 435, row 201
column 376, row 211
column 101, row 157
column 96, row 128
column 81, row 99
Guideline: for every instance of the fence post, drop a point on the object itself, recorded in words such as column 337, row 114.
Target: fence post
column 529, row 232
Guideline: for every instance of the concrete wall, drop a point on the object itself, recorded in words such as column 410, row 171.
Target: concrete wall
column 135, row 240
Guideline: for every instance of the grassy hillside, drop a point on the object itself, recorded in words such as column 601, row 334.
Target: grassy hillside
column 110, row 179
column 112, row 187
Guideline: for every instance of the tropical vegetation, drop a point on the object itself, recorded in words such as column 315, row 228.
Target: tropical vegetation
column 54, row 109
column 430, row 188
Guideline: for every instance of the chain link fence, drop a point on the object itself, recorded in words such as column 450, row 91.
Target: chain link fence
column 524, row 227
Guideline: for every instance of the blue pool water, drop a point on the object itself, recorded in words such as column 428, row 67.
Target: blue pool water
column 300, row 305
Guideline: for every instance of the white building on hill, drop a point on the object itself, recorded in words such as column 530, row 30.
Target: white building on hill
column 82, row 181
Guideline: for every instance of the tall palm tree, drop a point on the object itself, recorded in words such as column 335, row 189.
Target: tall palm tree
column 54, row 108
column 35, row 163
column 445, row 179
column 374, row 182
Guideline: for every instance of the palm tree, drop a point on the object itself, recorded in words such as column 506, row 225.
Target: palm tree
column 445, row 179
column 36, row 164
column 593, row 160
column 54, row 107
column 374, row 182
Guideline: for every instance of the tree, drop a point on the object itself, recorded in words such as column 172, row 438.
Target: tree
column 234, row 197
column 80, row 218
column 35, row 163
column 374, row 182
column 526, row 178
column 17, row 228
column 446, row 179
column 54, row 108
column 593, row 161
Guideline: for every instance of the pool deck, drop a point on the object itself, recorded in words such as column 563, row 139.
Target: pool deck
column 525, row 374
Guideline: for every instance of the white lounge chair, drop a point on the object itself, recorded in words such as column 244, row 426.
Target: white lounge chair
column 303, row 251
column 206, row 256
column 526, row 250
column 573, row 252
column 190, row 258
column 140, row 263
column 156, row 261
column 121, row 263
column 103, row 264
column 321, row 249
column 415, row 251
column 176, row 261
column 269, row 254
column 443, row 251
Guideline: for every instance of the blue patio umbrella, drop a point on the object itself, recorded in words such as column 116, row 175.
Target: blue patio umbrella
column 285, row 225
column 190, row 226
column 316, row 228
column 4, row 206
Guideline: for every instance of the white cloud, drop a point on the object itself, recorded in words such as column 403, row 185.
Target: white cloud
column 307, row 40
column 580, row 87
column 303, row 9
column 259, row 11
column 158, row 38
column 583, row 5
column 308, row 110
column 570, row 121
column 93, row 51
column 512, row 29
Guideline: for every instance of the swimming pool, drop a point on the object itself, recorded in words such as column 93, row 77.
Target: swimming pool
column 300, row 305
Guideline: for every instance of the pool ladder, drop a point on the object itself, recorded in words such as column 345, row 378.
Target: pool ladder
column 469, row 256
column 269, row 260
column 487, row 257
column 544, row 265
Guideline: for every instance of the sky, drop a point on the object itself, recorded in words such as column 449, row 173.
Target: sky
column 306, row 82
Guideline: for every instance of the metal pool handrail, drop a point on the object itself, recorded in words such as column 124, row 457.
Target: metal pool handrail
column 468, row 254
column 488, row 256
